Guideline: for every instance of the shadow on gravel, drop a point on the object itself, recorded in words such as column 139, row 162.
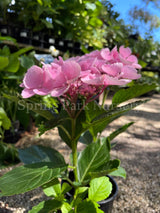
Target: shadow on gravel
column 143, row 114
column 145, row 134
column 4, row 210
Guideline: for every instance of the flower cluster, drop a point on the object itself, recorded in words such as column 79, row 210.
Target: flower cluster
column 85, row 75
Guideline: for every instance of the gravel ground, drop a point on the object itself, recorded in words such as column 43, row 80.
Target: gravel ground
column 139, row 151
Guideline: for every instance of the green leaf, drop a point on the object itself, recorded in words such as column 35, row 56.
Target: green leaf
column 5, row 121
column 53, row 188
column 47, row 24
column 46, row 206
column 65, row 135
column 65, row 128
column 96, row 122
column 66, row 187
column 8, row 155
column 93, row 110
column 120, row 172
column 116, row 112
column 95, row 22
column 5, row 51
column 92, row 157
column 82, row 192
column 4, row 61
column 86, row 206
column 24, row 117
column 66, row 208
column 106, row 168
column 97, row 209
column 119, row 131
column 86, row 138
column 100, row 122
column 28, row 177
column 142, row 63
column 52, row 123
column 26, row 62
column 22, row 51
column 40, row 2
column 7, row 38
column 13, row 65
column 132, row 92
column 58, row 22
column 35, row 154
column 100, row 189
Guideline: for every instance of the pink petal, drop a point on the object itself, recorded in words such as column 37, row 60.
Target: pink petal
column 59, row 62
column 33, row 77
column 93, row 79
column 113, row 69
column 27, row 93
column 125, row 52
column 85, row 73
column 107, row 80
column 22, row 85
column 54, row 66
column 105, row 54
column 71, row 70
column 133, row 59
column 85, row 64
column 115, row 54
column 41, row 91
column 60, row 80
column 95, row 53
column 59, row 91
column 137, row 66
column 130, row 73
column 53, row 78
column 74, row 58
column 47, row 77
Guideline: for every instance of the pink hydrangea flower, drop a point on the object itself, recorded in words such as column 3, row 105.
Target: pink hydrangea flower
column 85, row 75
column 121, row 64
column 51, row 79
column 109, row 67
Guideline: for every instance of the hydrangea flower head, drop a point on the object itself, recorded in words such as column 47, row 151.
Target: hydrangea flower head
column 85, row 75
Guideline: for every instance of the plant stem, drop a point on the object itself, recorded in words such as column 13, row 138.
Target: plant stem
column 74, row 153
column 106, row 91
column 74, row 149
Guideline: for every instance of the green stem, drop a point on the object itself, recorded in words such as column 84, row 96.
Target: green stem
column 74, row 149
column 69, row 181
column 74, row 153
column 106, row 91
column 71, row 167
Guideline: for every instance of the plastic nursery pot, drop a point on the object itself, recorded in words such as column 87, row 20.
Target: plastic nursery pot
column 105, row 205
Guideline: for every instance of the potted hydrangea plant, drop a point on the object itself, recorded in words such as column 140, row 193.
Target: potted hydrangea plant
column 77, row 83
